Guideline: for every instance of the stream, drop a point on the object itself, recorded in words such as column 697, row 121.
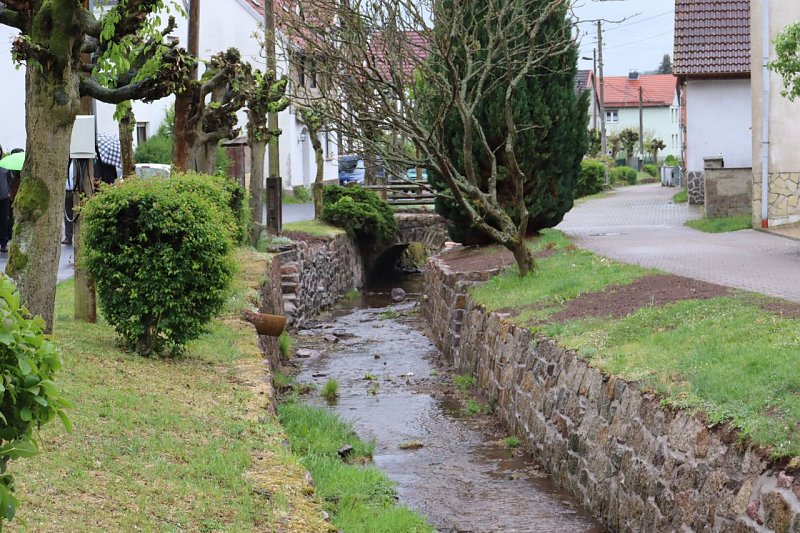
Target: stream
column 394, row 389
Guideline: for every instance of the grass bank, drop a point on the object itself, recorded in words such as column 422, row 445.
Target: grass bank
column 166, row 445
column 680, row 197
column 359, row 498
column 732, row 357
column 721, row 225
column 315, row 228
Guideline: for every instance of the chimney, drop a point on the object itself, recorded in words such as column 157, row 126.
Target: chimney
column 633, row 75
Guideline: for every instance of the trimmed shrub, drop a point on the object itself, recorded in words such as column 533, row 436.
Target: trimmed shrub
column 302, row 194
column 156, row 149
column 671, row 161
column 626, row 174
column 651, row 170
column 360, row 212
column 225, row 193
column 160, row 254
column 28, row 396
column 591, row 179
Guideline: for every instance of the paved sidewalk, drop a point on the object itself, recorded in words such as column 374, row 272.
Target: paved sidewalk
column 640, row 225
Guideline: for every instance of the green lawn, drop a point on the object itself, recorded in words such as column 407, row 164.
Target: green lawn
column 727, row 357
column 721, row 225
column 680, row 197
column 316, row 228
column 164, row 445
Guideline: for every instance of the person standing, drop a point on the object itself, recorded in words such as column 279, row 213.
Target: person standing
column 5, row 206
column 69, row 206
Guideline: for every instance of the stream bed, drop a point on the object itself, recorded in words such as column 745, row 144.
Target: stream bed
column 395, row 391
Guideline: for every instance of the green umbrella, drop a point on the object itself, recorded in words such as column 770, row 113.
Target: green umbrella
column 13, row 161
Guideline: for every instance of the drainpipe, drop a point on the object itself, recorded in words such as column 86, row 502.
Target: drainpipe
column 765, row 44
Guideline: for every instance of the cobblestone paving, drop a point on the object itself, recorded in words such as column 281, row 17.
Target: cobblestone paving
column 640, row 225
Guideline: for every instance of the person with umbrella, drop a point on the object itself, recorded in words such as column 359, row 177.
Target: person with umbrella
column 9, row 165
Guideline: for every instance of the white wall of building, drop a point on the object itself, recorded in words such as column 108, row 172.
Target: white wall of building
column 659, row 122
column 12, row 98
column 719, row 121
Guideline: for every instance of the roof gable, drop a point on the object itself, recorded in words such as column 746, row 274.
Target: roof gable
column 659, row 90
column 712, row 38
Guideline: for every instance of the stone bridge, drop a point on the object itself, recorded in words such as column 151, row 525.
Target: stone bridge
column 428, row 229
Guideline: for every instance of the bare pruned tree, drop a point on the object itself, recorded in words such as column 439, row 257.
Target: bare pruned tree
column 409, row 68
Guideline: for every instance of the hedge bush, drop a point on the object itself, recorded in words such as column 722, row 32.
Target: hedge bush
column 28, row 396
column 160, row 253
column 652, row 170
column 360, row 212
column 626, row 174
column 225, row 193
column 671, row 161
column 591, row 179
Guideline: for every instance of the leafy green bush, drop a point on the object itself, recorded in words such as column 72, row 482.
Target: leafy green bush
column 223, row 192
column 28, row 396
column 671, row 161
column 626, row 174
column 591, row 179
column 358, row 211
column 302, row 194
column 652, row 170
column 156, row 149
column 160, row 255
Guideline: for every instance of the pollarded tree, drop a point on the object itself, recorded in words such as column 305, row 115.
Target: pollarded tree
column 373, row 59
column 628, row 139
column 266, row 95
column 655, row 146
column 53, row 35
column 313, row 116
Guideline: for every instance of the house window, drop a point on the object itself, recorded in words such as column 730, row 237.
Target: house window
column 300, row 65
column 612, row 116
column 312, row 71
column 141, row 132
column 675, row 140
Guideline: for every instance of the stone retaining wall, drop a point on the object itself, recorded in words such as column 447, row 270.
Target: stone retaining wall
column 316, row 273
column 635, row 465
column 696, row 187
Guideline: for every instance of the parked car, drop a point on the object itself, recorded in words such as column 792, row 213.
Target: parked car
column 411, row 174
column 150, row 170
column 352, row 170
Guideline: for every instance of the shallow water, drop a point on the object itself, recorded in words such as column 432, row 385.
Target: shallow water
column 463, row 478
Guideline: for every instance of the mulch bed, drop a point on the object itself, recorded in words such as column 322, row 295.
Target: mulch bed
column 478, row 259
column 783, row 309
column 617, row 301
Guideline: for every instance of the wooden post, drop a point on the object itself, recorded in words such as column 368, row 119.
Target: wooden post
column 85, row 297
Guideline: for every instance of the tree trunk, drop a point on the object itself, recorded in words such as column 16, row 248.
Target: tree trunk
column 181, row 141
column 258, row 151
column 204, row 158
column 127, row 124
column 523, row 257
column 33, row 260
column 317, row 186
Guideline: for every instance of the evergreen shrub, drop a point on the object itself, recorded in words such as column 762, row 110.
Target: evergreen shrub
column 360, row 212
column 652, row 170
column 591, row 179
column 160, row 253
column 28, row 396
column 626, row 174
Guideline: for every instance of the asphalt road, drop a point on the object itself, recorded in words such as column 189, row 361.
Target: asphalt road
column 291, row 213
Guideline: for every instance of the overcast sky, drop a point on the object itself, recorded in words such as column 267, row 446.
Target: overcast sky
column 637, row 43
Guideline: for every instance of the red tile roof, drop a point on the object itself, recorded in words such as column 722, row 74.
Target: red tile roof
column 712, row 37
column 659, row 90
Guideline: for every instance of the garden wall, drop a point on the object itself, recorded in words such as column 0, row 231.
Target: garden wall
column 728, row 192
column 315, row 273
column 634, row 464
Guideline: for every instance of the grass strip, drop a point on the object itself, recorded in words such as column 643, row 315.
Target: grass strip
column 681, row 197
column 165, row 444
column 729, row 357
column 359, row 498
column 721, row 225
column 314, row 228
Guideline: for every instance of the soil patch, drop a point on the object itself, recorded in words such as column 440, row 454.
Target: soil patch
column 484, row 258
column 305, row 237
column 617, row 301
column 783, row 309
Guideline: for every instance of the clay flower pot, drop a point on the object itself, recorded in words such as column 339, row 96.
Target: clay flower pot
column 266, row 324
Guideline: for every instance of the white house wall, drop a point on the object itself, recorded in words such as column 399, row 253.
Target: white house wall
column 719, row 122
column 12, row 101
column 659, row 122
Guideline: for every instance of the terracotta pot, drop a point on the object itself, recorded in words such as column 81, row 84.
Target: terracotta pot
column 266, row 324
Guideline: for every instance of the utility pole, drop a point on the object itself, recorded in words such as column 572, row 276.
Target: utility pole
column 180, row 151
column 594, row 90
column 83, row 176
column 641, row 125
column 274, row 182
column 603, row 140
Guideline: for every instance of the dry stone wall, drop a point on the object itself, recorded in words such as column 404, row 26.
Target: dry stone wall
column 314, row 274
column 636, row 465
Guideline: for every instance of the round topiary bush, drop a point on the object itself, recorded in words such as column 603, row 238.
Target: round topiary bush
column 28, row 396
column 623, row 173
column 360, row 212
column 160, row 253
column 651, row 170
